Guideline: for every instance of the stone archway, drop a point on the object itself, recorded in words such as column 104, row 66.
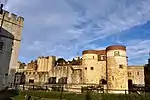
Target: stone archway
column 130, row 84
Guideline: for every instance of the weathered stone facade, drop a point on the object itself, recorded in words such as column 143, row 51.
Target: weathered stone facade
column 96, row 67
column 10, row 41
column 136, row 74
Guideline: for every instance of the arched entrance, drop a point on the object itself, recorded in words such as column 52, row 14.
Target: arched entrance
column 130, row 84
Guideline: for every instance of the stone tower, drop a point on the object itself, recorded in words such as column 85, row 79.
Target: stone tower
column 13, row 25
column 116, row 67
column 91, row 73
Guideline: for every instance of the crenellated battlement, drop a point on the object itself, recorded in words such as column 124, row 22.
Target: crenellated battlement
column 12, row 18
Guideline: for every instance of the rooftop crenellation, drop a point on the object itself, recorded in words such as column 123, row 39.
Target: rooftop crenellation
column 13, row 18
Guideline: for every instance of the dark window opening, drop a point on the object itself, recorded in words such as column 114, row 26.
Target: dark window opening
column 93, row 57
column 62, row 80
column 85, row 68
column 129, row 74
column 92, row 68
column 101, row 57
column 31, row 81
column 116, row 53
column 120, row 66
column 52, row 80
column 138, row 73
column 112, row 77
column 103, row 81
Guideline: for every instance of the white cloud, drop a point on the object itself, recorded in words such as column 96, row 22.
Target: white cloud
column 65, row 27
column 138, row 50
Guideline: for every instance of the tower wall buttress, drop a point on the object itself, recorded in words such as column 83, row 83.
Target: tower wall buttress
column 117, row 78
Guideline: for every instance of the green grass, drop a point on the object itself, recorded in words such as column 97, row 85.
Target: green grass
column 74, row 96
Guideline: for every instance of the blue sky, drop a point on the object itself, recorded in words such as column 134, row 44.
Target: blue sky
column 65, row 27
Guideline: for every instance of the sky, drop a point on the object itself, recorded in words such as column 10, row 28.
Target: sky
column 65, row 28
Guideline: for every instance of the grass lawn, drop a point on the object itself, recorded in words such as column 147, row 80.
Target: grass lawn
column 74, row 96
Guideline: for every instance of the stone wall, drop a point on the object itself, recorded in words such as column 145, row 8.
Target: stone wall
column 11, row 29
column 117, row 70
column 109, row 66
column 136, row 74
column 91, row 70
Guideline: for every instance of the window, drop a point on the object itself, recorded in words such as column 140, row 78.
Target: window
column 138, row 73
column 92, row 68
column 112, row 78
column 101, row 57
column 129, row 74
column 93, row 57
column 116, row 53
column 85, row 68
column 31, row 81
column 1, row 45
column 120, row 66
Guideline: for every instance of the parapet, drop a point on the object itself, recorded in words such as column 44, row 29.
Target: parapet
column 12, row 18
column 116, row 47
column 89, row 52
column 99, row 52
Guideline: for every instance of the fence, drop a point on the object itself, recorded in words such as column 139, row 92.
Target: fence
column 68, row 93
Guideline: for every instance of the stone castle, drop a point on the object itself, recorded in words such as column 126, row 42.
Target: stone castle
column 108, row 68
column 10, row 38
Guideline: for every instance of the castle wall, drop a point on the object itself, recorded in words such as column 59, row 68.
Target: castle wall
column 136, row 74
column 109, row 64
column 38, row 77
column 117, row 68
column 62, row 71
column 76, row 75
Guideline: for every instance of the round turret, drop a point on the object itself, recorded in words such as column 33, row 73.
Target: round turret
column 116, row 67
column 91, row 68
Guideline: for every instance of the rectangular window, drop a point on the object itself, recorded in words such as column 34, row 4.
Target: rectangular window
column 112, row 77
column 129, row 74
column 85, row 68
column 138, row 73
column 120, row 66
column 31, row 81
column 92, row 68
column 101, row 57
column 116, row 53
